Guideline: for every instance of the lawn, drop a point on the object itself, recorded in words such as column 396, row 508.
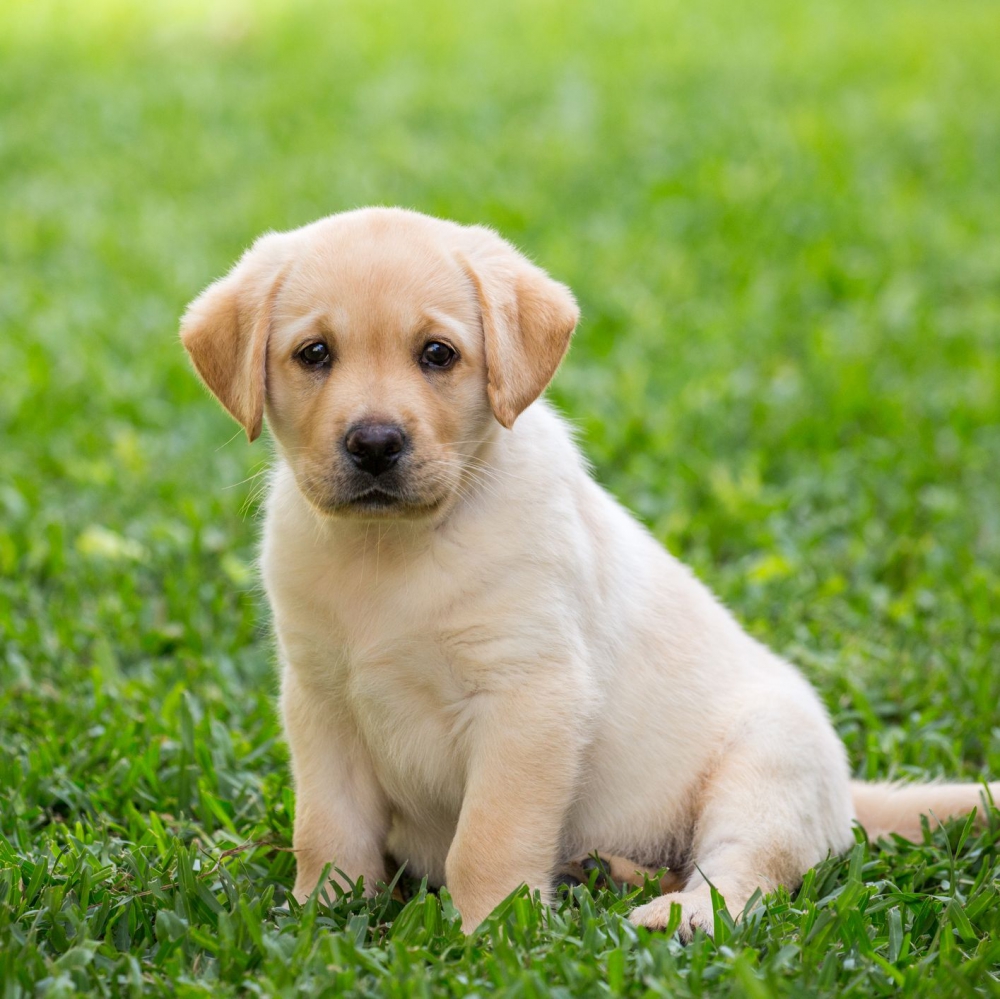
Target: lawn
column 782, row 224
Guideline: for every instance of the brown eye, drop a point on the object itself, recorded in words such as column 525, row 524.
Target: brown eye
column 314, row 355
column 437, row 355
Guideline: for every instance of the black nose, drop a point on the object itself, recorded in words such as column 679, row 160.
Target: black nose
column 374, row 447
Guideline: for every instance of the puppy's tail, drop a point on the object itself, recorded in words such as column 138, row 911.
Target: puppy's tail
column 896, row 808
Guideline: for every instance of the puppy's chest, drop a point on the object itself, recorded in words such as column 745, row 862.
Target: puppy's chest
column 412, row 709
column 405, row 669
column 411, row 698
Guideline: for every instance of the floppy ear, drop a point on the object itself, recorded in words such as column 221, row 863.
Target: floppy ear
column 527, row 322
column 225, row 330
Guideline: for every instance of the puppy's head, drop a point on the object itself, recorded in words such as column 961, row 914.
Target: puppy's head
column 385, row 347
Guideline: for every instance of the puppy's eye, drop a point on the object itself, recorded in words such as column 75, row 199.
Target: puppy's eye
column 314, row 355
column 437, row 355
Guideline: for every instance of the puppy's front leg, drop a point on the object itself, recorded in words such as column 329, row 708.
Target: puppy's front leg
column 523, row 767
column 341, row 816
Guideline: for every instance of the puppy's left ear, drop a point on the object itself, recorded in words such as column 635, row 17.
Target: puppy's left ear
column 528, row 319
column 225, row 330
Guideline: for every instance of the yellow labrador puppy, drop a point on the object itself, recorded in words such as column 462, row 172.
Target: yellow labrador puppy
column 489, row 668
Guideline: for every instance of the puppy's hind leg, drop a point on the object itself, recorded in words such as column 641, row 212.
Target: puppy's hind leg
column 776, row 804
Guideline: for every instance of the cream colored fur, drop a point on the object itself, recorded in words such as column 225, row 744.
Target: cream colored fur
column 507, row 672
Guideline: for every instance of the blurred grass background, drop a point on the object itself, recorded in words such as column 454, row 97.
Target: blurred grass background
column 781, row 222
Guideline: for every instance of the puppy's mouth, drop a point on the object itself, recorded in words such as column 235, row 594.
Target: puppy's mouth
column 391, row 495
column 375, row 499
column 378, row 502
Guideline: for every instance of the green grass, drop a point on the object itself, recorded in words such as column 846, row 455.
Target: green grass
column 781, row 220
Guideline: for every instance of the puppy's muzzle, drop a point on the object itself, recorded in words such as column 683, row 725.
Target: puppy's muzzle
column 375, row 447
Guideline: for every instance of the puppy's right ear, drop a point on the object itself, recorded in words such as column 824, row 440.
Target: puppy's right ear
column 225, row 330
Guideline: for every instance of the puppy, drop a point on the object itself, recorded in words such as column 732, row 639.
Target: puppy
column 489, row 668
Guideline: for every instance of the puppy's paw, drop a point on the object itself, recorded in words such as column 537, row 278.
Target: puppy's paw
column 301, row 892
column 696, row 913
column 613, row 871
column 580, row 871
column 334, row 886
